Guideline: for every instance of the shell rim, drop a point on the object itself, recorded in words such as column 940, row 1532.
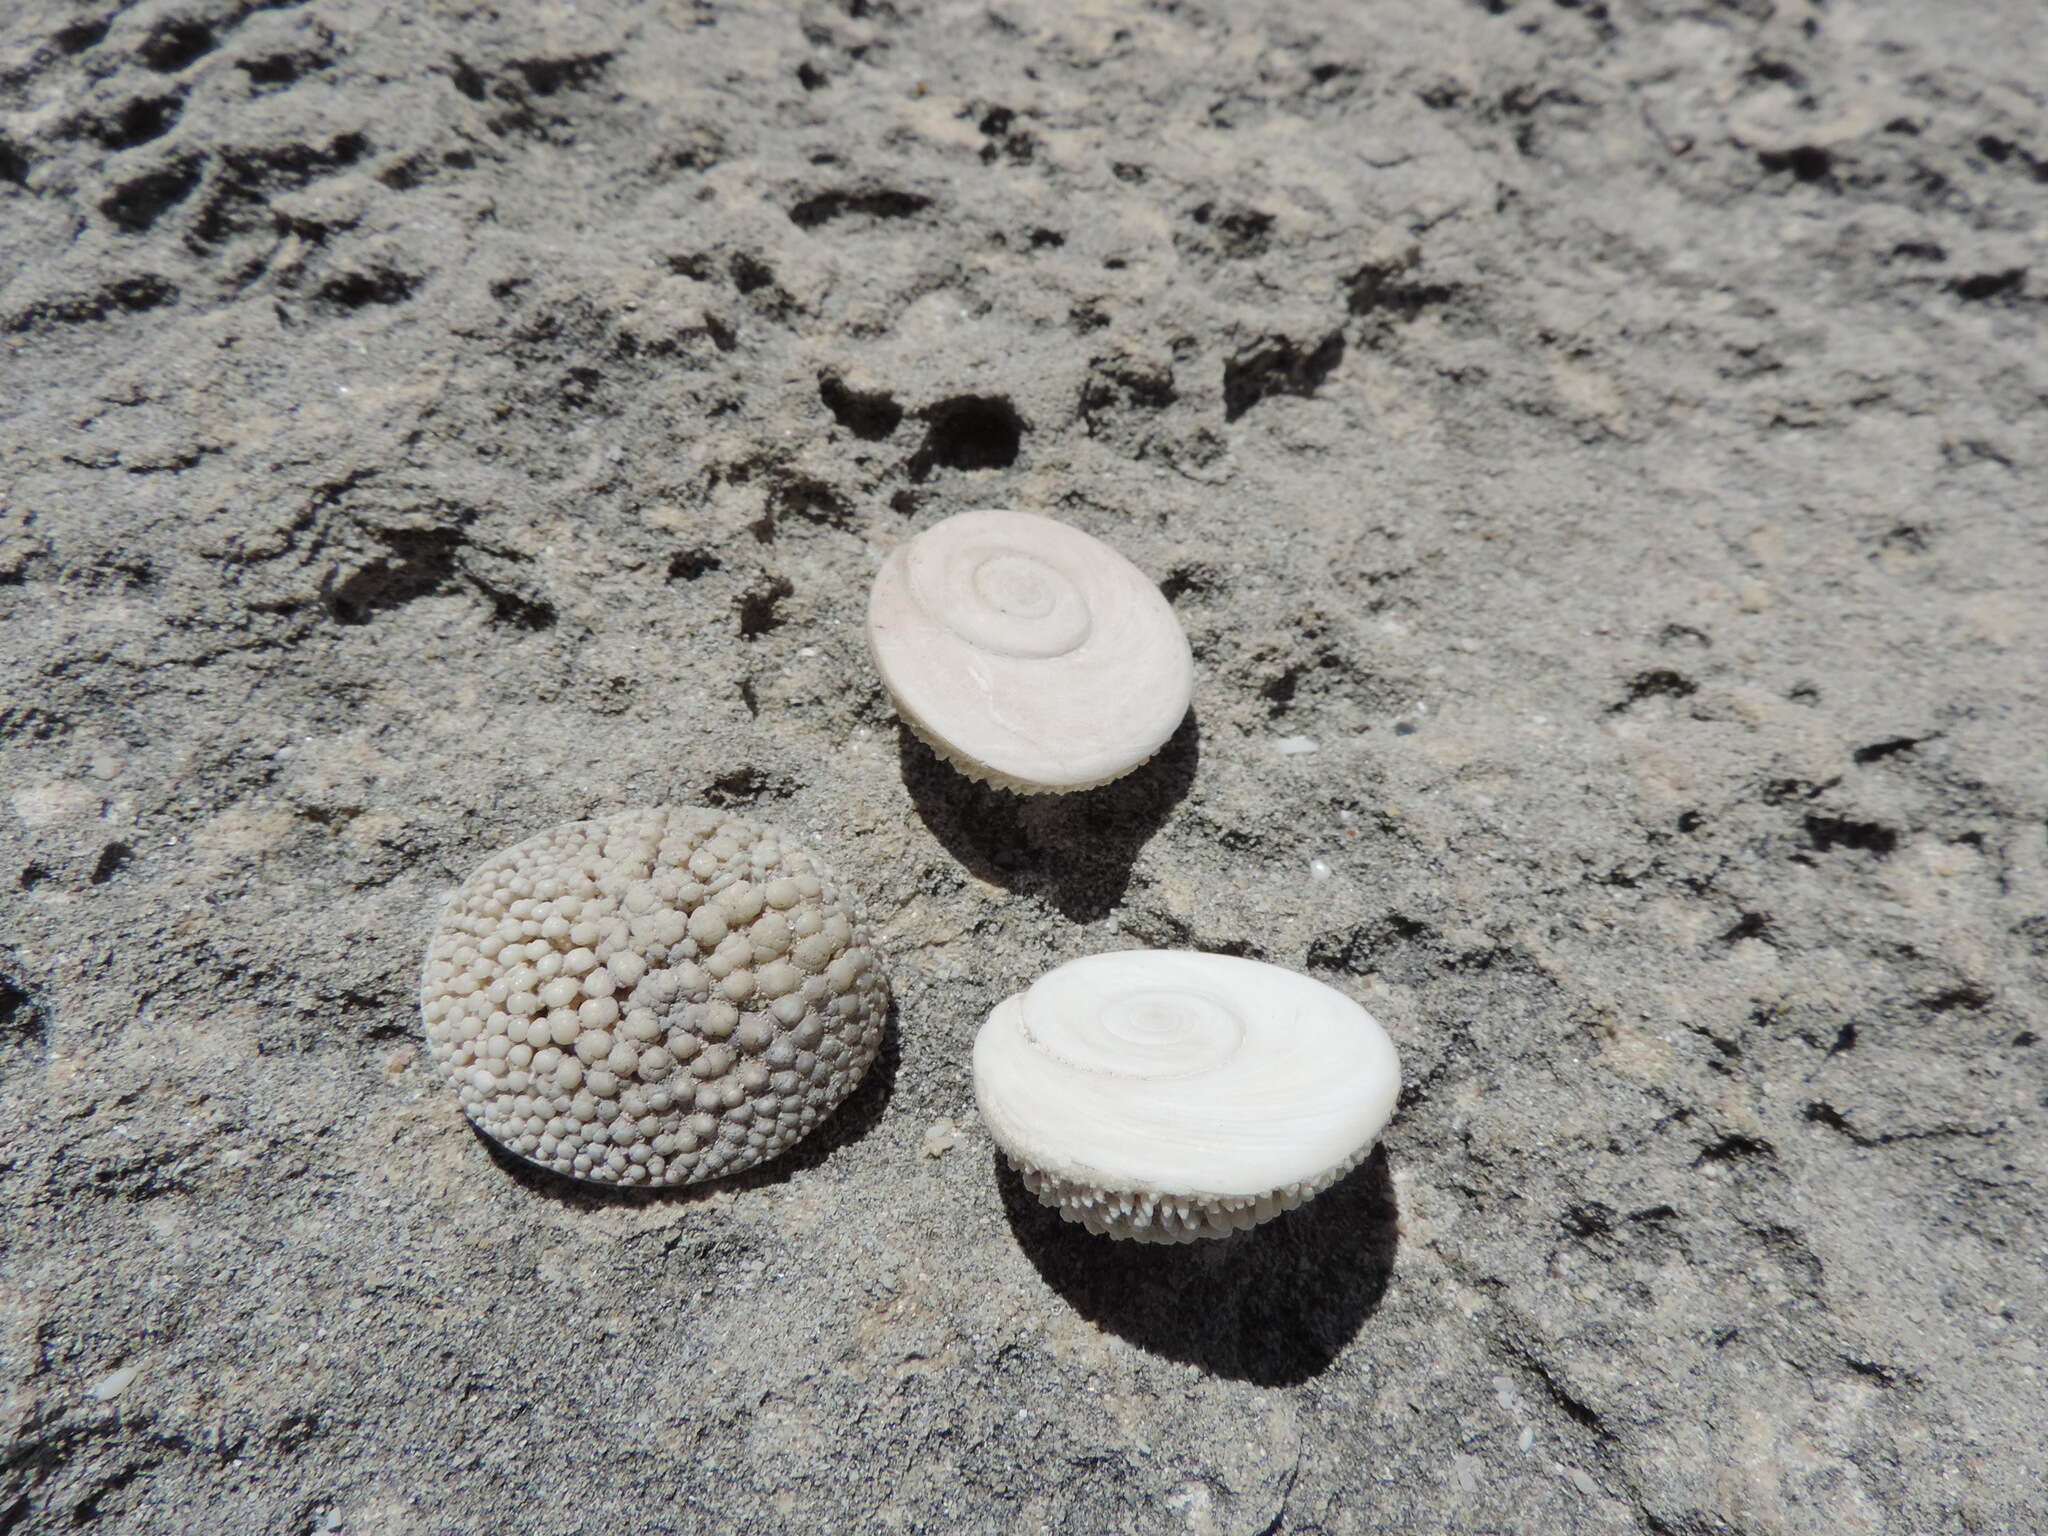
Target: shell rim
column 995, row 778
column 1077, row 1173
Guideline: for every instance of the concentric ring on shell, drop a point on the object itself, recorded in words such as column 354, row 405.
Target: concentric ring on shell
column 651, row 998
column 1166, row 1095
column 1022, row 605
column 1147, row 1033
column 1026, row 653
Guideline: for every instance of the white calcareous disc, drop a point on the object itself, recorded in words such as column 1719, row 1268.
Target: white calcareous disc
column 651, row 998
column 1165, row 1095
column 1027, row 654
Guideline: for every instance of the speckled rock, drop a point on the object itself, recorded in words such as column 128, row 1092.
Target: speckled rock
column 1610, row 434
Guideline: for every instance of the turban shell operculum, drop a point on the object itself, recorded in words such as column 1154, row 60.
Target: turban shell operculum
column 1027, row 654
column 1165, row 1096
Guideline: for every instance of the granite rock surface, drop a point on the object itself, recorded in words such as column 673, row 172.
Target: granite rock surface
column 1596, row 450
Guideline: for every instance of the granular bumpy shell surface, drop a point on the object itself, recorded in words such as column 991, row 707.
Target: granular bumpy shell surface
column 651, row 998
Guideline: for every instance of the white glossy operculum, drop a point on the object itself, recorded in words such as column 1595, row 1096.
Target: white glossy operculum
column 1166, row 1096
column 1027, row 654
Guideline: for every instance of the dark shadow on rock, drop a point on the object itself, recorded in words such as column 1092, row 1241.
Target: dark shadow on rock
column 853, row 1119
column 1273, row 1306
column 1072, row 851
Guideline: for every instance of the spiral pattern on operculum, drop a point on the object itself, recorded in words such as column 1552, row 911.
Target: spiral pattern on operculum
column 1003, row 599
column 1145, row 1033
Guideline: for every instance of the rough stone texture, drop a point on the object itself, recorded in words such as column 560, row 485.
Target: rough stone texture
column 1613, row 432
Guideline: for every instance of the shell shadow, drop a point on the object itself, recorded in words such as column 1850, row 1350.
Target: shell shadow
column 1273, row 1306
column 855, row 1116
column 1073, row 851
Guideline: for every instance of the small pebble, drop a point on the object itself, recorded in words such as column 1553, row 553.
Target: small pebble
column 114, row 1383
column 1294, row 746
column 940, row 1137
column 1318, row 869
